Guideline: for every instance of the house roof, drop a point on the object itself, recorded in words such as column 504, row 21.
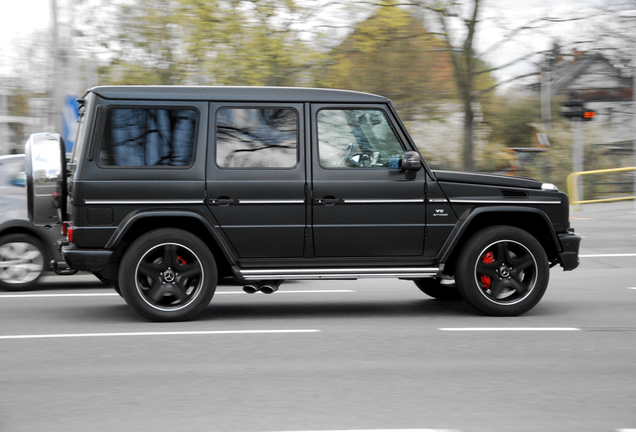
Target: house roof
column 592, row 77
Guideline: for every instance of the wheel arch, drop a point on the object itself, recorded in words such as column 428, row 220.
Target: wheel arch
column 25, row 227
column 531, row 220
column 141, row 223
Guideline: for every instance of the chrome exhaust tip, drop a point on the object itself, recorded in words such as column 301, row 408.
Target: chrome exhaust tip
column 270, row 287
column 252, row 288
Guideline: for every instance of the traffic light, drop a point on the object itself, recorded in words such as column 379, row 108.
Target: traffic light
column 577, row 110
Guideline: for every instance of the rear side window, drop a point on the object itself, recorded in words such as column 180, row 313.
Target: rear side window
column 256, row 138
column 148, row 137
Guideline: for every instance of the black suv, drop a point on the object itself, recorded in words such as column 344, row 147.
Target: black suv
column 169, row 189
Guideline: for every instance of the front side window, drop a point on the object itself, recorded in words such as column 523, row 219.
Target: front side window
column 256, row 138
column 357, row 139
column 148, row 137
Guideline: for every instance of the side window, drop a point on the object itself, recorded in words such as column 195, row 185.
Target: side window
column 256, row 138
column 141, row 137
column 357, row 139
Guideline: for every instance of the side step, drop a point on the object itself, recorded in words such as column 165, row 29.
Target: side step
column 337, row 273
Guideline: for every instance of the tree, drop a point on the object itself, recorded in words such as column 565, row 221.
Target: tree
column 392, row 54
column 222, row 42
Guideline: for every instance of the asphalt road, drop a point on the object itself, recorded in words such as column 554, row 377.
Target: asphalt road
column 332, row 356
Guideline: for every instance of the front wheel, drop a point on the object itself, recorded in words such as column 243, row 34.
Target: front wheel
column 502, row 271
column 168, row 275
column 22, row 259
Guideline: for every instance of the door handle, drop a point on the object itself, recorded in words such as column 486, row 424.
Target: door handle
column 328, row 201
column 222, row 201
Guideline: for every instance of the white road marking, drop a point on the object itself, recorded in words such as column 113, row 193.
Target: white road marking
column 293, row 292
column 471, row 329
column 216, row 293
column 58, row 295
column 174, row 333
column 634, row 288
column 607, row 255
column 382, row 430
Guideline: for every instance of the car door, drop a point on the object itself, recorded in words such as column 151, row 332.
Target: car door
column 256, row 184
column 363, row 203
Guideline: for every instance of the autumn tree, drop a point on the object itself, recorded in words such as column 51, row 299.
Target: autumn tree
column 392, row 54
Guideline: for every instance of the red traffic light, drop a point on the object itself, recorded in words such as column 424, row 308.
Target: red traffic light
column 588, row 115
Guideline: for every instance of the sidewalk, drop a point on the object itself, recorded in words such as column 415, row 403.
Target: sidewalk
column 608, row 209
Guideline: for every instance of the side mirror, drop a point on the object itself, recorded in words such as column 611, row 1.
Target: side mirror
column 411, row 161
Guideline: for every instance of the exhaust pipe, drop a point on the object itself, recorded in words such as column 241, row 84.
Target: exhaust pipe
column 252, row 288
column 270, row 287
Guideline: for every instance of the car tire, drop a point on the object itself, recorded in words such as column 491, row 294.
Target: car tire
column 502, row 271
column 439, row 290
column 168, row 275
column 22, row 258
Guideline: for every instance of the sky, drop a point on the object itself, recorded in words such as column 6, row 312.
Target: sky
column 19, row 17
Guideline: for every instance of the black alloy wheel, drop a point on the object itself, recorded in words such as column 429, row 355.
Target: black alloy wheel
column 168, row 275
column 502, row 271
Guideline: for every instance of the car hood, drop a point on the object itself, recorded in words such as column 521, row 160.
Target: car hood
column 486, row 179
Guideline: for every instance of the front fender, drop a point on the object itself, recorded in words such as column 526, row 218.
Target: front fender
column 469, row 222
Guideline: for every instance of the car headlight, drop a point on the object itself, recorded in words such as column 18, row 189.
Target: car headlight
column 549, row 187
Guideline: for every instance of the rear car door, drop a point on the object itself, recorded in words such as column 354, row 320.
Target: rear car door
column 256, row 183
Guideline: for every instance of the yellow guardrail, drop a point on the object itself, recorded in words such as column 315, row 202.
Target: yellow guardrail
column 573, row 186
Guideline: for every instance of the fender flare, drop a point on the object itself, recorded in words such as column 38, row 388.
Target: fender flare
column 136, row 216
column 469, row 216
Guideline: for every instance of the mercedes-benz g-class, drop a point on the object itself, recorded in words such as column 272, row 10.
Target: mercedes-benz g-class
column 171, row 188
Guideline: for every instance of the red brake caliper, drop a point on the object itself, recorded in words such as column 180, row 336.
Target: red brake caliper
column 486, row 259
column 181, row 260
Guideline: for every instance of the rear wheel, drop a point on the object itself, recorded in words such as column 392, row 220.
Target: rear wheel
column 439, row 289
column 22, row 259
column 502, row 271
column 168, row 275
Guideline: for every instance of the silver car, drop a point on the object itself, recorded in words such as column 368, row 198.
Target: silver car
column 25, row 250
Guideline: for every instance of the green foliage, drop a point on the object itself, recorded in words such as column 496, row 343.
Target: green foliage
column 18, row 105
column 224, row 42
column 512, row 118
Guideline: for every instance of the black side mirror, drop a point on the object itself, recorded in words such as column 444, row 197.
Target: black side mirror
column 411, row 161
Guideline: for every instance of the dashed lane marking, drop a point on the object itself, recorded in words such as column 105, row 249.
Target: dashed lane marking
column 383, row 430
column 117, row 295
column 174, row 333
column 607, row 255
column 484, row 329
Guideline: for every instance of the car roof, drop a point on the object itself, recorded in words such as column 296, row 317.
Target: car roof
column 11, row 159
column 236, row 94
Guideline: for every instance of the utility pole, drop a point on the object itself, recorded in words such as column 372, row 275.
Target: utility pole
column 577, row 152
column 56, row 86
column 634, row 109
column 546, row 93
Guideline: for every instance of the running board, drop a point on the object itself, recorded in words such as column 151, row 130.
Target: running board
column 338, row 273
